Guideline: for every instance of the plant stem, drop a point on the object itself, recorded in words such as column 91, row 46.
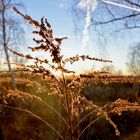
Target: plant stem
column 68, row 106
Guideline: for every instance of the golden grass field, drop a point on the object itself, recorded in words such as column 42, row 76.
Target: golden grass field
column 25, row 126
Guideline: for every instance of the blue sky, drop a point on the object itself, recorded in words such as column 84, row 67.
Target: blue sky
column 59, row 15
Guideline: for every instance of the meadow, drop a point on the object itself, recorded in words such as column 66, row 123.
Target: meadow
column 97, row 105
column 32, row 94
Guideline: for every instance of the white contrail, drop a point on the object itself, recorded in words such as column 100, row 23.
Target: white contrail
column 121, row 5
column 89, row 6
column 85, row 30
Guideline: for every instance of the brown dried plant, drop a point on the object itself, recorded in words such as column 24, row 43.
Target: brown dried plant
column 68, row 90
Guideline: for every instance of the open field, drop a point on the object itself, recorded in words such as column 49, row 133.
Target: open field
column 18, row 124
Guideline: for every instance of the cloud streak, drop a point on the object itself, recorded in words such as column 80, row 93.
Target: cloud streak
column 89, row 6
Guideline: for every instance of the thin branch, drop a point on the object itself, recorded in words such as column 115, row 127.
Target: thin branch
column 94, row 22
column 132, row 3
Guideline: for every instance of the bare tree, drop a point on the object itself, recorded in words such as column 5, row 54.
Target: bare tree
column 134, row 60
column 109, row 16
column 123, row 14
column 10, row 31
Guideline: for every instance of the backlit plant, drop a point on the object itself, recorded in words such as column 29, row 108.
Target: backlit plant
column 68, row 90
